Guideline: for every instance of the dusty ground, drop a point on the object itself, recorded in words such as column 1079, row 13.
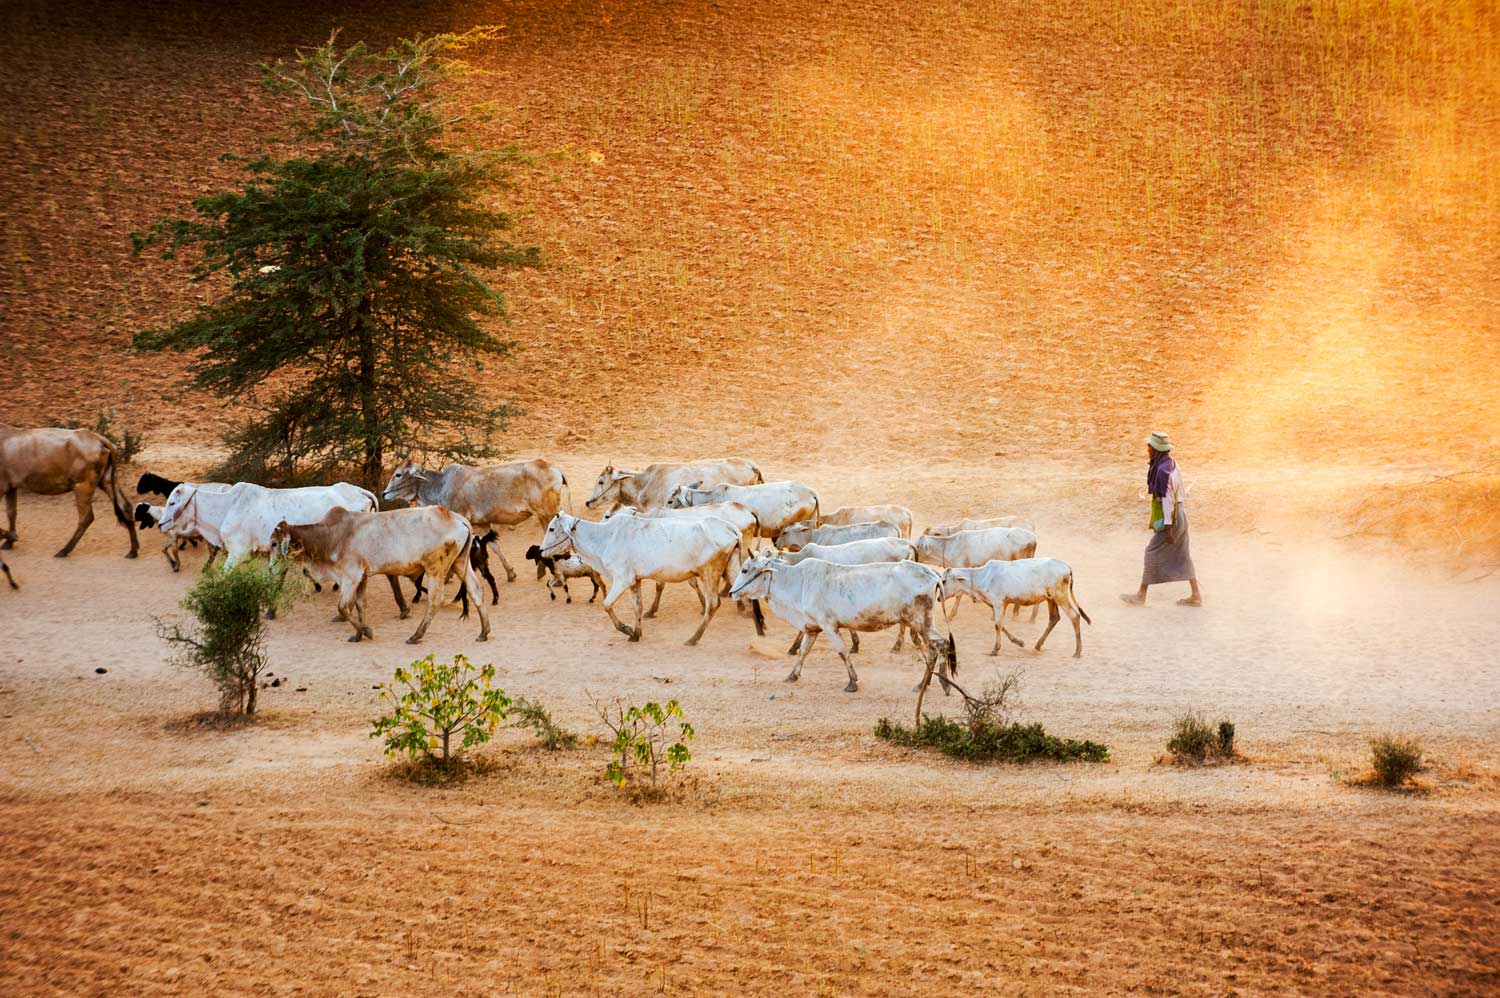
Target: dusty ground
column 803, row 855
column 957, row 255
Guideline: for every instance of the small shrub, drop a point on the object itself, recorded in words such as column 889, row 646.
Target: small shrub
column 532, row 714
column 1195, row 741
column 128, row 443
column 989, row 733
column 227, row 645
column 440, row 709
column 646, row 737
column 1395, row 760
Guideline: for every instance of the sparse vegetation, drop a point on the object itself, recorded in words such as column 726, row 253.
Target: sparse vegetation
column 1194, row 741
column 438, row 710
column 645, row 738
column 227, row 645
column 128, row 443
column 528, row 713
column 989, row 734
column 1395, row 760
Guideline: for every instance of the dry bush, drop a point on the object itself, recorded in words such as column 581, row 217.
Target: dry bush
column 1194, row 741
column 1395, row 760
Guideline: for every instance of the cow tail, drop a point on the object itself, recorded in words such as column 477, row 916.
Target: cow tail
column 817, row 512
column 950, row 651
column 759, row 478
column 568, row 491
column 116, row 499
column 374, row 501
column 1077, row 605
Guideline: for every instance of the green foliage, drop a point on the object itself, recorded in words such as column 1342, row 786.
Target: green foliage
column 1395, row 760
column 349, row 269
column 227, row 645
column 647, row 737
column 532, row 714
column 434, row 705
column 127, row 442
column 988, row 733
column 1194, row 740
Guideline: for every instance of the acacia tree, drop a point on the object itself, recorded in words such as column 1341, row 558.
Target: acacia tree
column 352, row 265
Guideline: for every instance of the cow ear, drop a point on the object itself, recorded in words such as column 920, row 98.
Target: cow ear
column 620, row 476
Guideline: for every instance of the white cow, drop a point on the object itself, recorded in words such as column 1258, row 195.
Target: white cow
column 347, row 548
column 776, row 505
column 819, row 597
column 972, row 523
column 897, row 516
column 732, row 512
column 148, row 515
column 972, row 548
column 627, row 549
column 805, row 532
column 866, row 552
column 1026, row 582
column 649, row 487
column 240, row 519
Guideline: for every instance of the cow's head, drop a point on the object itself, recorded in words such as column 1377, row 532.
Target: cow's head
column 754, row 580
column 144, row 518
column 619, row 509
column 405, row 481
column 793, row 537
column 957, row 582
column 927, row 546
column 558, row 540
column 687, row 496
column 181, row 510
column 607, row 486
column 284, row 542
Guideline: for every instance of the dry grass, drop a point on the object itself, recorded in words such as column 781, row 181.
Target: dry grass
column 1454, row 517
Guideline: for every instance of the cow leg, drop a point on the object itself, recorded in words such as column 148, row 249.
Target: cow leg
column 656, row 603
column 434, row 581
column 1000, row 627
column 396, row 592
column 8, row 577
column 618, row 588
column 83, row 497
column 510, row 573
column 484, row 570
column 635, row 596
column 854, row 642
column 901, row 637
column 796, row 644
column 10, row 520
column 169, row 551
column 809, row 639
column 709, row 593
column 476, row 595
column 594, row 578
column 351, row 608
column 213, row 552
column 843, row 650
column 1052, row 618
column 566, row 592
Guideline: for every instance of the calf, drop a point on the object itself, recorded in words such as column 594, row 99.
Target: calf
column 563, row 569
column 797, row 535
column 819, row 597
column 1025, row 582
column 349, row 547
column 625, row 550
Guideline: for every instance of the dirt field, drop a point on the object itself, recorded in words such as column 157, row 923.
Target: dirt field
column 958, row 255
column 803, row 855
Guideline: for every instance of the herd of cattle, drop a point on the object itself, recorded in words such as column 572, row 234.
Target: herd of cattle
column 715, row 524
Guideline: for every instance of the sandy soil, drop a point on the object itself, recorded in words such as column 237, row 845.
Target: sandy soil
column 803, row 854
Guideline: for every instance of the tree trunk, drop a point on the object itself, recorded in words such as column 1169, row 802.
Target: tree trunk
column 250, row 696
column 374, row 463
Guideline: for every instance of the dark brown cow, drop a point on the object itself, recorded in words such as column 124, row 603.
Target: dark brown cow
column 50, row 461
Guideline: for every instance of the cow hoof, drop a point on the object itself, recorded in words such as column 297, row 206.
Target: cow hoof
column 1078, row 654
column 994, row 652
column 61, row 554
column 483, row 637
column 568, row 601
column 413, row 640
column 354, row 639
column 552, row 597
column 635, row 636
column 7, row 544
column 792, row 678
column 337, row 618
column 853, row 687
column 651, row 615
column 510, row 576
column 690, row 642
column 131, row 554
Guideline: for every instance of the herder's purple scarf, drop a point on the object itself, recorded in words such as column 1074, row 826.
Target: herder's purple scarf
column 1160, row 473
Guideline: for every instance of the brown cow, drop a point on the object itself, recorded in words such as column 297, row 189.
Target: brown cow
column 499, row 496
column 346, row 548
column 50, row 461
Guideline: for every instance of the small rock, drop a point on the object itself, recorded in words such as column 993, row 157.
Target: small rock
column 276, row 682
column 302, row 689
column 101, row 670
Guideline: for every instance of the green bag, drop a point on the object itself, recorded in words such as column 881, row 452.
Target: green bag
column 1156, row 513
